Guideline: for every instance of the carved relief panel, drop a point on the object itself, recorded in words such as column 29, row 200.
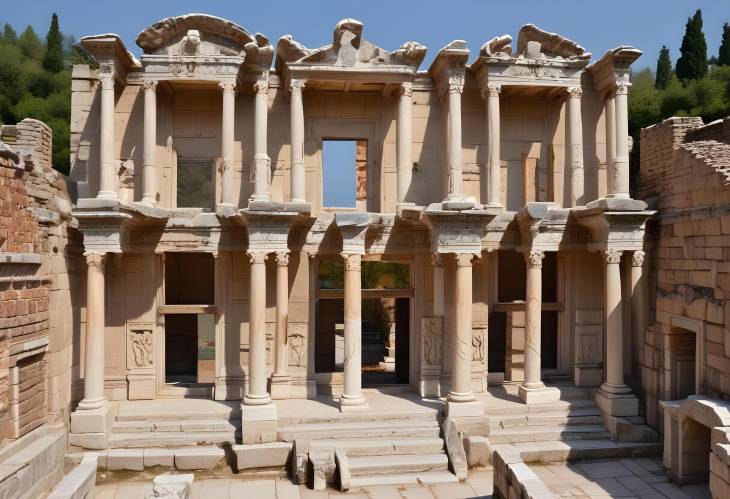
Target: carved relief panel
column 433, row 340
column 139, row 347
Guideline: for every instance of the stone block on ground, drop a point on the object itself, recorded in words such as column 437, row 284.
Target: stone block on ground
column 156, row 456
column 478, row 451
column 262, row 455
column 323, row 468
column 198, row 458
column 455, row 449
column 125, row 459
column 170, row 486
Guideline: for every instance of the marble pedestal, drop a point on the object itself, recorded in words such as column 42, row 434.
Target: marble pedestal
column 543, row 395
column 280, row 387
column 461, row 409
column 617, row 404
column 90, row 428
column 258, row 423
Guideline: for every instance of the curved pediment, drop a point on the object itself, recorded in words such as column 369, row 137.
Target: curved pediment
column 348, row 50
column 162, row 35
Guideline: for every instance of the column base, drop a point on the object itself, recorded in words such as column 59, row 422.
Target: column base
column 149, row 201
column 617, row 403
column 457, row 204
column 353, row 404
column 107, row 195
column 280, row 386
column 456, row 409
column 259, row 424
column 90, row 428
column 541, row 395
column 226, row 209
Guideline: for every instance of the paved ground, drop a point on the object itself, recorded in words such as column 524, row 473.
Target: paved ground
column 626, row 478
column 479, row 485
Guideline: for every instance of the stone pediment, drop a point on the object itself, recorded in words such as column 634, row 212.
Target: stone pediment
column 349, row 50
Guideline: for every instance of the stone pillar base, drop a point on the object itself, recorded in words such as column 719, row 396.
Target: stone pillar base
column 90, row 428
column 259, row 424
column 458, row 204
column 280, row 387
column 617, row 404
column 228, row 389
column 460, row 409
column 543, row 395
column 353, row 404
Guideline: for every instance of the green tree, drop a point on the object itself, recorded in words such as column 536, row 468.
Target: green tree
column 30, row 44
column 663, row 69
column 53, row 59
column 9, row 34
column 723, row 58
column 692, row 64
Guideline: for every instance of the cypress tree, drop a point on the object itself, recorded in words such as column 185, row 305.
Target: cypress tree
column 53, row 59
column 663, row 69
column 723, row 58
column 692, row 65
column 9, row 34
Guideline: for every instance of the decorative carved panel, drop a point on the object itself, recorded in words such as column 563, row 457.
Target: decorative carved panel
column 433, row 340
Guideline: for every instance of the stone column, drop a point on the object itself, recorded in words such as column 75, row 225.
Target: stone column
column 261, row 161
column 611, row 142
column 95, row 321
column 352, row 393
column 229, row 112
column 280, row 388
column 404, row 161
column 620, row 187
column 575, row 146
column 639, row 302
column 257, row 394
column 494, row 166
column 455, row 192
column 296, row 119
column 614, row 397
column 149, row 172
column 460, row 399
column 107, row 185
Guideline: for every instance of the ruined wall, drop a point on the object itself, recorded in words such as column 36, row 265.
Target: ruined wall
column 688, row 343
column 37, row 266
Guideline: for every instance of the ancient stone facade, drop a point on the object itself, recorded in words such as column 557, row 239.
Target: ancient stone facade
column 37, row 323
column 685, row 366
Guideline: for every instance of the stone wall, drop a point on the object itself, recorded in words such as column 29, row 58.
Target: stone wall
column 36, row 323
column 687, row 348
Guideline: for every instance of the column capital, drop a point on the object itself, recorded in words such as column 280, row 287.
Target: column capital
column 282, row 258
column 492, row 90
column 406, row 89
column 575, row 92
column 150, row 85
column 261, row 86
column 107, row 79
column 622, row 84
column 637, row 258
column 534, row 259
column 437, row 260
column 456, row 82
column 95, row 258
column 227, row 86
column 353, row 261
column 613, row 256
column 297, row 85
column 464, row 259
column 257, row 257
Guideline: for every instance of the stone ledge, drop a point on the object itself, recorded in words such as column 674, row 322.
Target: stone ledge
column 79, row 483
column 20, row 258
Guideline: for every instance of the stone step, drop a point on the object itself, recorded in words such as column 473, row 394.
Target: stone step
column 357, row 447
column 425, row 478
column 559, row 406
column 373, row 429
column 189, row 425
column 583, row 416
column 546, row 452
column 548, row 433
column 354, row 417
column 169, row 438
column 397, row 464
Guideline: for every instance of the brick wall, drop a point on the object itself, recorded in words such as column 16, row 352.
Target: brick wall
column 718, row 130
column 686, row 174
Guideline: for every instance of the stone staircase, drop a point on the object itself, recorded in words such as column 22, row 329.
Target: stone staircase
column 380, row 448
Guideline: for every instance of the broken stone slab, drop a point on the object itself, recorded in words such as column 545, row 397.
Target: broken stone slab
column 300, row 460
column 262, row 455
column 170, row 486
column 343, row 465
column 618, row 204
column 455, row 449
column 198, row 458
column 323, row 467
column 478, row 451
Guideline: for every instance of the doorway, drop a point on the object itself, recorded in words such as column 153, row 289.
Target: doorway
column 189, row 349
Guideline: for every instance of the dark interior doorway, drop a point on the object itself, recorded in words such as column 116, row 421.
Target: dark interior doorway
column 181, row 348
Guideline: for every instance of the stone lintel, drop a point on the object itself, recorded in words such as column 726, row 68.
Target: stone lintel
column 458, row 231
column 268, row 231
column 353, row 226
column 621, row 230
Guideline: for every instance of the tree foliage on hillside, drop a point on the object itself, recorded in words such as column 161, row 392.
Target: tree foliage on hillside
column 35, row 82
column 723, row 58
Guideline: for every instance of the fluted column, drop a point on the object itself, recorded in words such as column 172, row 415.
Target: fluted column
column 107, row 184
column 296, row 119
column 620, row 187
column 404, row 161
column 229, row 112
column 614, row 325
column 611, row 142
column 352, row 393
column 455, row 188
column 257, row 394
column 149, row 171
column 639, row 301
column 94, row 346
column 494, row 166
column 575, row 146
column 261, row 161
column 280, row 378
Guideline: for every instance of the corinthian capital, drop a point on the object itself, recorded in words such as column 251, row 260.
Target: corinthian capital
column 296, row 85
column 534, row 258
column 229, row 86
column 94, row 258
column 575, row 92
column 456, row 82
column 492, row 90
column 257, row 257
column 353, row 261
column 622, row 84
column 150, row 85
column 437, row 260
column 107, row 79
column 637, row 258
column 463, row 259
column 406, row 89
column 282, row 258
column 261, row 86
column 613, row 256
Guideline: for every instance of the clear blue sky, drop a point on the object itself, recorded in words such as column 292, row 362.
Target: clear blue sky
column 598, row 25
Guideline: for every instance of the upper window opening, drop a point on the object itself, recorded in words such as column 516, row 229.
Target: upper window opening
column 344, row 172
column 194, row 183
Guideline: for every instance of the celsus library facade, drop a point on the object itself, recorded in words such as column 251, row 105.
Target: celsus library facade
column 265, row 224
